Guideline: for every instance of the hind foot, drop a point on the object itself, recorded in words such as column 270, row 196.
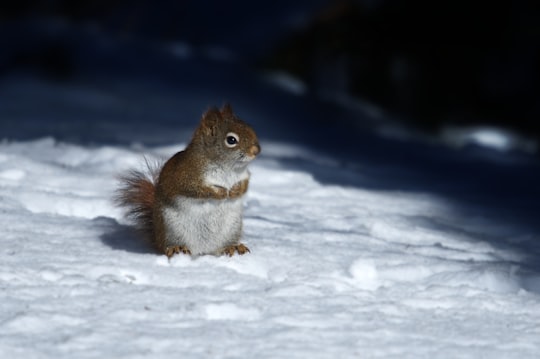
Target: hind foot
column 239, row 248
column 171, row 251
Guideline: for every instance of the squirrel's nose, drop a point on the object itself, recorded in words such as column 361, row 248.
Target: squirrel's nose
column 255, row 149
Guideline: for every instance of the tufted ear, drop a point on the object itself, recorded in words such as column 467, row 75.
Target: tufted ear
column 227, row 110
column 210, row 121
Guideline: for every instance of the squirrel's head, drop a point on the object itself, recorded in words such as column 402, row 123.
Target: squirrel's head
column 225, row 137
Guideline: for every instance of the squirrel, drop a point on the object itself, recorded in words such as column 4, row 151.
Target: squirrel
column 193, row 203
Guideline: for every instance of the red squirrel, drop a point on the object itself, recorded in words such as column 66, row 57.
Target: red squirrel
column 193, row 203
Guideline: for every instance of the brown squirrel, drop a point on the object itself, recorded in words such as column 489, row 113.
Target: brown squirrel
column 193, row 203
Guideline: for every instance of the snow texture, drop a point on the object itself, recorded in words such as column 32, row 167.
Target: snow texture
column 354, row 253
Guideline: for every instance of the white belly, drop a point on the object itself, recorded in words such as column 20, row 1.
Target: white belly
column 204, row 226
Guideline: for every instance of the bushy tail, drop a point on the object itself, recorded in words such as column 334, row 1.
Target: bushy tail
column 137, row 194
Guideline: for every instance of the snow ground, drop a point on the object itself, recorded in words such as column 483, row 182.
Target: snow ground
column 335, row 271
column 360, row 246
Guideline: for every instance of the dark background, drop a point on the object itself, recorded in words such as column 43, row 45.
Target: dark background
column 429, row 64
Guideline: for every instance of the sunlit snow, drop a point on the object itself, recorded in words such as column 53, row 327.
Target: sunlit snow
column 335, row 271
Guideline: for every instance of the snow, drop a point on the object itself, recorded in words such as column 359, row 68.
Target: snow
column 361, row 246
column 287, row 82
column 491, row 137
column 335, row 271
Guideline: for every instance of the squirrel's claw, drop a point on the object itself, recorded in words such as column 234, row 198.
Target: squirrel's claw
column 239, row 248
column 171, row 251
column 242, row 249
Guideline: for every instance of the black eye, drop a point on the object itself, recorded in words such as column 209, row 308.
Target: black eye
column 231, row 140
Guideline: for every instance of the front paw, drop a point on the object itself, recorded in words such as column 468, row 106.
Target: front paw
column 239, row 248
column 238, row 189
column 218, row 192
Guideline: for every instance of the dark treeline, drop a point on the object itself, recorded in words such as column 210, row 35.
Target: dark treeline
column 431, row 63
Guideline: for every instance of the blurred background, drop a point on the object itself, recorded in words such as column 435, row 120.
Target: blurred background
column 428, row 97
column 454, row 70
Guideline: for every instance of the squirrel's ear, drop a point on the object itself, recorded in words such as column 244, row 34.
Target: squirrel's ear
column 227, row 110
column 210, row 121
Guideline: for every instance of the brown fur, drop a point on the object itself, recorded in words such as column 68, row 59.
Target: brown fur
column 182, row 175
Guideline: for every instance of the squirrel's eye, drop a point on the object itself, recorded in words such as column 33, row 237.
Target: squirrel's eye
column 231, row 140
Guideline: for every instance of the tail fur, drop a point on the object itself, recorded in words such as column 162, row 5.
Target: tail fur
column 137, row 195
